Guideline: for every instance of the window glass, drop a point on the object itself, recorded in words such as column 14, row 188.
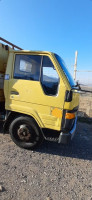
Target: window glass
column 27, row 67
column 49, row 77
column 64, row 68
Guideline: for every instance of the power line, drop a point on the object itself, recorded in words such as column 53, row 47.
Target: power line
column 83, row 71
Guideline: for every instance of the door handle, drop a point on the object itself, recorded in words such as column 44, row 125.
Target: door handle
column 15, row 92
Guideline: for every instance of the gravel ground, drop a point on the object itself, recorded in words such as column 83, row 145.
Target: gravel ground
column 53, row 172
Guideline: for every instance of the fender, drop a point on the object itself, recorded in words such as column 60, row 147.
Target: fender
column 11, row 115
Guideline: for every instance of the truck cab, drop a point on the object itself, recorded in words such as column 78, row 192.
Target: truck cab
column 40, row 100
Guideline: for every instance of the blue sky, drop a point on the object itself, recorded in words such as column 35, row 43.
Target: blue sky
column 60, row 26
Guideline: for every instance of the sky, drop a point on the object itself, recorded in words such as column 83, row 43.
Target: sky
column 60, row 26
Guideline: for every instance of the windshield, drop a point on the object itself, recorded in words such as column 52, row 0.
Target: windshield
column 65, row 70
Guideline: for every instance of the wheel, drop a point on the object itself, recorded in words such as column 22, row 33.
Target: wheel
column 25, row 132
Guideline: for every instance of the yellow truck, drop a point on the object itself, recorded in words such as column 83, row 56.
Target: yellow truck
column 38, row 96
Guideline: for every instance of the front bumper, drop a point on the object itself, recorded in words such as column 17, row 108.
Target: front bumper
column 65, row 138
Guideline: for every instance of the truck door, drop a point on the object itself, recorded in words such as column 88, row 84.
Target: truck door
column 37, row 89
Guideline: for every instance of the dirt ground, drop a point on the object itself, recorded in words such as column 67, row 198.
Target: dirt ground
column 53, row 172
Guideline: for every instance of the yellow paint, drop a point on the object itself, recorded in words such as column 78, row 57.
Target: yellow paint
column 74, row 103
column 32, row 100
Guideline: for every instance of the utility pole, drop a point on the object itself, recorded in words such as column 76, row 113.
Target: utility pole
column 75, row 65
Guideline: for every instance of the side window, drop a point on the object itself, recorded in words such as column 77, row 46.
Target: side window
column 27, row 67
column 49, row 77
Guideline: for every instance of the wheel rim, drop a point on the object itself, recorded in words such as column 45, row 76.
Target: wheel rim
column 24, row 133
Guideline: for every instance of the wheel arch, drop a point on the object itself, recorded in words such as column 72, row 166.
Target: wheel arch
column 11, row 115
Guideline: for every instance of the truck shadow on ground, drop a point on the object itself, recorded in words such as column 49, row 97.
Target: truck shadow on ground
column 80, row 148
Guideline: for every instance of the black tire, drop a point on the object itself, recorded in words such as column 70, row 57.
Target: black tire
column 25, row 132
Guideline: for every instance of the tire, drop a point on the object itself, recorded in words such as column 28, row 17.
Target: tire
column 25, row 132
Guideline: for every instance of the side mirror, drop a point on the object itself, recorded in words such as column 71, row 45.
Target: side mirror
column 68, row 96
